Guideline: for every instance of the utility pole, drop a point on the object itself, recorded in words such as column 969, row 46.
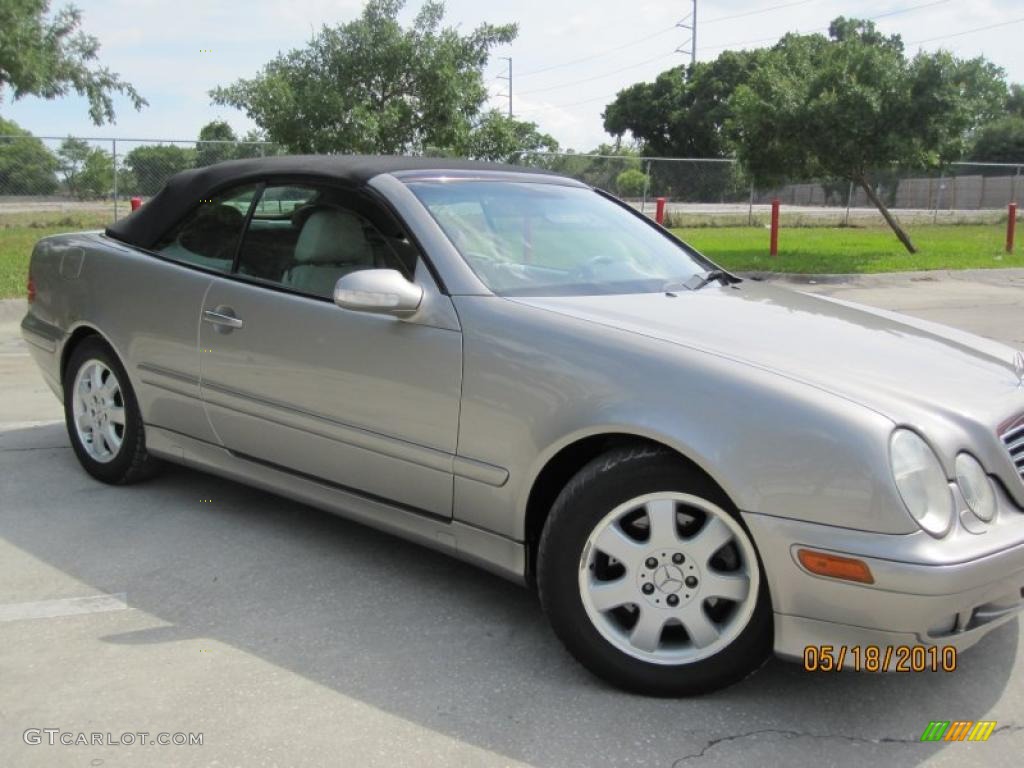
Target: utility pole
column 509, row 78
column 689, row 23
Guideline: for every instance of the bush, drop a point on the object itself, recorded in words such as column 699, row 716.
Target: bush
column 631, row 183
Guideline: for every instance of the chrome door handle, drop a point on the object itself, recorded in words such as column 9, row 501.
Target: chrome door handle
column 219, row 318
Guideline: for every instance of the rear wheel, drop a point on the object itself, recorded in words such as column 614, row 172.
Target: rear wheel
column 650, row 579
column 102, row 416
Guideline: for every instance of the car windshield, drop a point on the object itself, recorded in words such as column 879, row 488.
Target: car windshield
column 533, row 239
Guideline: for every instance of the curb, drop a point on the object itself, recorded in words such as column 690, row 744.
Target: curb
column 1013, row 277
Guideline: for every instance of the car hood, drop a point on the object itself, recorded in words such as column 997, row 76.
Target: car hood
column 879, row 359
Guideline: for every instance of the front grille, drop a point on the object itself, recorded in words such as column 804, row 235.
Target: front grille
column 1013, row 439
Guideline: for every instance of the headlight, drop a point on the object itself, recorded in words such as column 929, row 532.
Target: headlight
column 976, row 487
column 921, row 482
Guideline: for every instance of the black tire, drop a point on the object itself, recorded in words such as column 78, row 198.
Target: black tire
column 606, row 482
column 131, row 463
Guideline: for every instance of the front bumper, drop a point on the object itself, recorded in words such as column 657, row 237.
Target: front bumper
column 950, row 595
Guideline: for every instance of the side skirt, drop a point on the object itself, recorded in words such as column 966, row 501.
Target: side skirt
column 498, row 554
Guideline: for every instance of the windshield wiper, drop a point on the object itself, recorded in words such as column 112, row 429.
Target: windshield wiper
column 697, row 282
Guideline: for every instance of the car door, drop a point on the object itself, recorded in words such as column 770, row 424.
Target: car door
column 163, row 295
column 366, row 402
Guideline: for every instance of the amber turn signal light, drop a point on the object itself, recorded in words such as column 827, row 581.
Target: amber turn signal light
column 846, row 568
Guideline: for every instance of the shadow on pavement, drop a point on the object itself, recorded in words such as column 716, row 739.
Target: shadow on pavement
column 430, row 639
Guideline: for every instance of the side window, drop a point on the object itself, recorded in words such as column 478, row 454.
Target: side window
column 306, row 238
column 208, row 236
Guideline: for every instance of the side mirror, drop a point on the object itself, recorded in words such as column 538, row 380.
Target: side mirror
column 381, row 291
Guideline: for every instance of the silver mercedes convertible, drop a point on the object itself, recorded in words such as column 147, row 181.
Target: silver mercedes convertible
column 692, row 469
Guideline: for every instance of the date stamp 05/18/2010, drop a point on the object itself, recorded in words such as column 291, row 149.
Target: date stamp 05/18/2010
column 879, row 658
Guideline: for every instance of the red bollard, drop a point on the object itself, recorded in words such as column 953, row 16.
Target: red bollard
column 775, row 228
column 136, row 202
column 1011, row 226
column 659, row 211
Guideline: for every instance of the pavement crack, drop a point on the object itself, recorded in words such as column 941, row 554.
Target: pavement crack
column 793, row 734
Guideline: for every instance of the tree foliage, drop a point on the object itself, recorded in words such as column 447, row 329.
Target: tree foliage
column 51, row 57
column 372, row 86
column 152, row 165
column 846, row 105
column 683, row 113
column 1001, row 141
column 599, row 168
column 500, row 138
column 631, row 183
column 27, row 167
column 208, row 154
column 1015, row 101
column 97, row 176
column 71, row 157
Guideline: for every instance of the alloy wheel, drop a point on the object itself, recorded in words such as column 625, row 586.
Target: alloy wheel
column 669, row 578
column 98, row 409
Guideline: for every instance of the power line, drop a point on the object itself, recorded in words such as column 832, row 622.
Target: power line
column 597, row 55
column 645, row 38
column 755, row 13
column 885, row 15
column 968, row 31
column 597, row 77
column 581, row 81
column 566, row 106
column 898, row 11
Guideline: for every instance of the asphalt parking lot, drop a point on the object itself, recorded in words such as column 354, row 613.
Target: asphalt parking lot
column 289, row 637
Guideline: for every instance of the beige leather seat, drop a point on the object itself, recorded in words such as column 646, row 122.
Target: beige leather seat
column 332, row 243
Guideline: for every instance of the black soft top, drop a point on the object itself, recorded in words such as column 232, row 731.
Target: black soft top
column 184, row 190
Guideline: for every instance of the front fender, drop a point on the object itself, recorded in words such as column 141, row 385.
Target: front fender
column 537, row 381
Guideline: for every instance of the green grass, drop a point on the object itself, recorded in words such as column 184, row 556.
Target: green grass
column 19, row 232
column 838, row 250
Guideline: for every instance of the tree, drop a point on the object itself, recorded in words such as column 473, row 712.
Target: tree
column 249, row 148
column 599, row 168
column 370, row 86
column 499, row 138
column 1015, row 100
column 1001, row 141
column 631, row 183
column 684, row 111
column 152, row 165
column 849, row 104
column 71, row 156
column 50, row 57
column 97, row 176
column 27, row 167
column 208, row 154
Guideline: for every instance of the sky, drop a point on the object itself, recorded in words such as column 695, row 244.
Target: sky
column 569, row 60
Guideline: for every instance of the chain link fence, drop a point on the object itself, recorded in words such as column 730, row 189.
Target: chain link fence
column 718, row 192
column 96, row 178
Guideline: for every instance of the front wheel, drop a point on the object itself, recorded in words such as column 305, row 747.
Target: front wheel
column 650, row 580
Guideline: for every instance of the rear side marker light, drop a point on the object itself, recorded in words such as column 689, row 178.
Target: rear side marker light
column 846, row 568
column 30, row 290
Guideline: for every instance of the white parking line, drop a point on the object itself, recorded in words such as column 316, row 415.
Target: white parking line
column 71, row 606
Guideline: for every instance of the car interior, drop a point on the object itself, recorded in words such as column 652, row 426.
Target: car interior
column 304, row 238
